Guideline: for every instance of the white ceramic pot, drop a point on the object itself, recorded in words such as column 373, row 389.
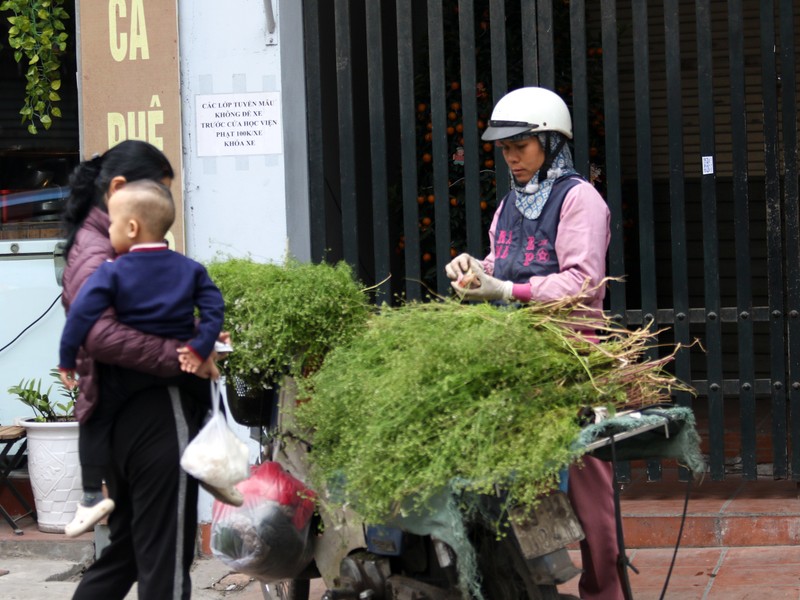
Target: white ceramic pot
column 55, row 472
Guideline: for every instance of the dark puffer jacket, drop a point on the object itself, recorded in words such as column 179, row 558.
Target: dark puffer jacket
column 109, row 341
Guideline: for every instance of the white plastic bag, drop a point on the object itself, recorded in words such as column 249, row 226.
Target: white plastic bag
column 216, row 456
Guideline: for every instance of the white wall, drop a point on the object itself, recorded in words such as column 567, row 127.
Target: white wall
column 234, row 205
column 237, row 205
column 28, row 288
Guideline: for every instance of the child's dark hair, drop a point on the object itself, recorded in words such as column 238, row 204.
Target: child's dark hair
column 132, row 159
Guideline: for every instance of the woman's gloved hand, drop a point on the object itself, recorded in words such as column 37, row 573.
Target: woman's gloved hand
column 485, row 287
column 461, row 265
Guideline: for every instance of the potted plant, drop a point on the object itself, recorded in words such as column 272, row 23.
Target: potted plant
column 53, row 462
column 283, row 320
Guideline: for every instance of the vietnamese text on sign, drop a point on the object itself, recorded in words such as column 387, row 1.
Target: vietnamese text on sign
column 238, row 124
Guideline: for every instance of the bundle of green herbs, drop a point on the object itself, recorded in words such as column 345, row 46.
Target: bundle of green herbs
column 284, row 318
column 466, row 398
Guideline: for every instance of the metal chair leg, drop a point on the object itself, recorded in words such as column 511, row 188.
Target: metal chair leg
column 8, row 463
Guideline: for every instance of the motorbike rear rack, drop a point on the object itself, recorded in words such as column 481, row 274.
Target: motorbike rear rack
column 607, row 441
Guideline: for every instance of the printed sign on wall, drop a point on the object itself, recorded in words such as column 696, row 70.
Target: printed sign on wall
column 130, row 81
column 238, row 124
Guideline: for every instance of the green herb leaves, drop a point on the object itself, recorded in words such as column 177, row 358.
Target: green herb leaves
column 283, row 319
column 470, row 397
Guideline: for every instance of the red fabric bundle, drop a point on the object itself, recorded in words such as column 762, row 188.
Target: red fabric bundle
column 269, row 536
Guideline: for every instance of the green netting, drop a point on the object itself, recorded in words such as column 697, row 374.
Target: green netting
column 678, row 439
column 444, row 520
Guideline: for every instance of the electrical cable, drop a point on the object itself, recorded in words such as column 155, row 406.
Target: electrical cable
column 39, row 318
column 623, row 562
column 680, row 534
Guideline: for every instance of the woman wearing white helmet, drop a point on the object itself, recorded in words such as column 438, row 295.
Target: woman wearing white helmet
column 548, row 241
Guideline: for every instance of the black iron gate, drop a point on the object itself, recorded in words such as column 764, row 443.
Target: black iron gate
column 685, row 118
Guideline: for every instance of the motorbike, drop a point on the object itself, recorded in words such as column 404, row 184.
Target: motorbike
column 423, row 558
column 358, row 560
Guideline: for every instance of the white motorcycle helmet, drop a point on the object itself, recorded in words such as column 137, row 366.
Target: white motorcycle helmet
column 528, row 110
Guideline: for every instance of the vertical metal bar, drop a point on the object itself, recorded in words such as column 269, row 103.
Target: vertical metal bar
column 530, row 52
column 408, row 148
column 497, row 26
column 347, row 160
column 441, row 206
column 377, row 130
column 497, row 23
column 616, row 258
column 469, row 104
column 644, row 169
column 790, row 201
column 547, row 68
column 580, row 91
column 744, row 293
column 316, row 185
column 774, row 238
column 676, row 193
column 713, row 324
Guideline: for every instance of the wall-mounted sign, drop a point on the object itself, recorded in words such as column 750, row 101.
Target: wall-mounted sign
column 130, row 81
column 238, row 124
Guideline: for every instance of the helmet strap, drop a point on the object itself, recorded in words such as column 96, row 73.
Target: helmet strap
column 550, row 156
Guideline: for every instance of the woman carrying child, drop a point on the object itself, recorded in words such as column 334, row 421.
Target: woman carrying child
column 154, row 523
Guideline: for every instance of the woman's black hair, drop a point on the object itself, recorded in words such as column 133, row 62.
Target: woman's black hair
column 131, row 159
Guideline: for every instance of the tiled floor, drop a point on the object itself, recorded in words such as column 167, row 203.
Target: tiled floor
column 744, row 573
column 723, row 514
column 741, row 540
column 723, row 573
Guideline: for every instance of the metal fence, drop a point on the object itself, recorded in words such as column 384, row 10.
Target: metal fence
column 684, row 117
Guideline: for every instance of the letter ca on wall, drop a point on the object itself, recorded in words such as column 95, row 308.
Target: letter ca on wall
column 127, row 33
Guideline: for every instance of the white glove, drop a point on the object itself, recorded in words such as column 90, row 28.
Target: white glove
column 487, row 288
column 461, row 265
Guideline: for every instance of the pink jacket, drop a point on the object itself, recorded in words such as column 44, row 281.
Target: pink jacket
column 581, row 244
column 109, row 341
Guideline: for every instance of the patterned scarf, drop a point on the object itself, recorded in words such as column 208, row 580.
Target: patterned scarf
column 531, row 197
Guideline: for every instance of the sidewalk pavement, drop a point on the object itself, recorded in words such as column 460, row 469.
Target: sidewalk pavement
column 52, row 579
column 741, row 542
column 48, row 566
column 43, row 579
column 741, row 573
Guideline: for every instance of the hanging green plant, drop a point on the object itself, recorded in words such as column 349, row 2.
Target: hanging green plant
column 38, row 34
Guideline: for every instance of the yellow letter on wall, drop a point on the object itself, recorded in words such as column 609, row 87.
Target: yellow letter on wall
column 116, row 129
column 137, row 125
column 155, row 118
column 138, row 31
column 117, row 42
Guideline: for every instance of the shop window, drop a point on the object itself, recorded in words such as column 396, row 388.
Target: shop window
column 35, row 169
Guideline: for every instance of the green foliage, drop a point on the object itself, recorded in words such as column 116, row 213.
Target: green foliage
column 38, row 34
column 468, row 397
column 284, row 319
column 45, row 407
